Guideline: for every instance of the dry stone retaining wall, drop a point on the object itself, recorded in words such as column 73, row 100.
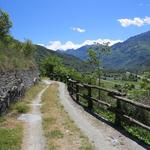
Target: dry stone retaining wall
column 13, row 85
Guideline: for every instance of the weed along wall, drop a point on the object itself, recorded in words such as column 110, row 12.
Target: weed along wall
column 13, row 85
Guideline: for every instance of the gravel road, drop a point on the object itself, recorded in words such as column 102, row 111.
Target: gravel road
column 102, row 135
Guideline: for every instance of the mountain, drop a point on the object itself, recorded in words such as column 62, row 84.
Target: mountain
column 134, row 53
column 68, row 60
column 80, row 52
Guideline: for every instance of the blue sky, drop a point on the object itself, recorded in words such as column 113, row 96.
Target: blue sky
column 55, row 22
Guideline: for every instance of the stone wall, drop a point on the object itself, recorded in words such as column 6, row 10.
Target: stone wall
column 13, row 85
column 9, row 78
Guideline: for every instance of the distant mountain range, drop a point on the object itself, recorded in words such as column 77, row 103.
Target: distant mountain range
column 68, row 60
column 79, row 53
column 132, row 54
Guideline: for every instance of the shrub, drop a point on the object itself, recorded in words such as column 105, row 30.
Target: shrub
column 21, row 107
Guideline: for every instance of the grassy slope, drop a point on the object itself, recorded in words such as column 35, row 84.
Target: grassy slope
column 12, row 56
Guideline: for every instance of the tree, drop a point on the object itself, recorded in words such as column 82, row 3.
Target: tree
column 94, row 59
column 50, row 64
column 28, row 48
column 5, row 24
column 145, row 83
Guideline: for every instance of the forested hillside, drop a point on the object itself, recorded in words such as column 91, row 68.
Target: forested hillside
column 68, row 60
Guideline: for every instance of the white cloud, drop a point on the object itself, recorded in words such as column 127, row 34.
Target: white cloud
column 147, row 20
column 55, row 45
column 78, row 29
column 40, row 44
column 135, row 21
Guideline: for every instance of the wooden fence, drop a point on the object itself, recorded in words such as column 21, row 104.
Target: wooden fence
column 117, row 97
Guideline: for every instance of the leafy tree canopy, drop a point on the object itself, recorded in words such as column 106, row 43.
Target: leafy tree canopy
column 5, row 24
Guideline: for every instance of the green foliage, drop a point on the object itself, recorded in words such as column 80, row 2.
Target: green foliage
column 145, row 83
column 118, row 87
column 140, row 133
column 14, row 54
column 28, row 48
column 50, row 64
column 94, row 58
column 21, row 107
column 53, row 64
column 129, row 86
column 5, row 24
column 10, row 138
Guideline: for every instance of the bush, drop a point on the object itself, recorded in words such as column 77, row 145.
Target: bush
column 21, row 107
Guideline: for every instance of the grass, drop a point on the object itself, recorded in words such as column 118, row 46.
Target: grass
column 22, row 107
column 11, row 138
column 60, row 131
column 138, row 132
column 110, row 83
column 11, row 130
column 55, row 134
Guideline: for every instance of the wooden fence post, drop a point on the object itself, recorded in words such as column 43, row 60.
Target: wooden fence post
column 118, row 115
column 68, row 87
column 67, row 80
column 72, row 86
column 90, row 102
column 61, row 78
column 52, row 76
column 77, row 91
column 56, row 77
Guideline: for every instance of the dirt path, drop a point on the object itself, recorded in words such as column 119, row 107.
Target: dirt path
column 33, row 133
column 103, row 136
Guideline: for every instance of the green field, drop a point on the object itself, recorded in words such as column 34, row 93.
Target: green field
column 110, row 83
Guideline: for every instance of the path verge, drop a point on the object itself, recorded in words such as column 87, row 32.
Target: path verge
column 11, row 130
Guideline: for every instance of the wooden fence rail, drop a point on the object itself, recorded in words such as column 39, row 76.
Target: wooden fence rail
column 117, row 97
